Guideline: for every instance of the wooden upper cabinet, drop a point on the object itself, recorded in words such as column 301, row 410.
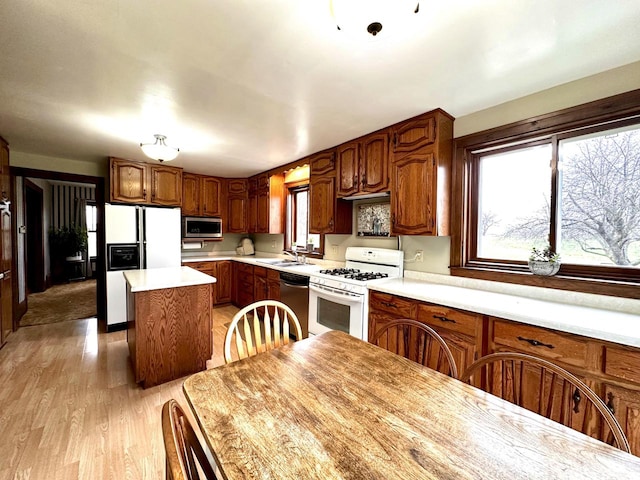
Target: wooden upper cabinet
column 363, row 166
column 190, row 194
column 348, row 156
column 139, row 182
column 166, row 185
column 413, row 199
column 374, row 164
column 128, row 181
column 237, row 205
column 420, row 175
column 414, row 134
column 327, row 213
column 201, row 195
column 266, row 203
column 323, row 163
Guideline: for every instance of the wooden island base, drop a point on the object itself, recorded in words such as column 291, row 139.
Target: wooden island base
column 169, row 332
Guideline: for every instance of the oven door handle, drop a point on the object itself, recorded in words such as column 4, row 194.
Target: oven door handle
column 335, row 296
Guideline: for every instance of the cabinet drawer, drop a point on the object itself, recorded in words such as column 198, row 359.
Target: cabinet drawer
column 204, row 267
column 554, row 346
column 622, row 363
column 454, row 320
column 397, row 306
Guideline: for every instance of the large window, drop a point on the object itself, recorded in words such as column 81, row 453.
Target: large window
column 565, row 179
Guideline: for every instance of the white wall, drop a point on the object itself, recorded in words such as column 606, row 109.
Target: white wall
column 63, row 165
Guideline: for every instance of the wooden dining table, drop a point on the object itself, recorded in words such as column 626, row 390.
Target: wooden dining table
column 335, row 407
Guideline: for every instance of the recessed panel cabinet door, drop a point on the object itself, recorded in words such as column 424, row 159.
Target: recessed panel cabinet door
column 237, row 215
column 348, row 168
column 211, row 196
column 190, row 194
column 128, row 181
column 166, row 186
column 415, row 134
column 223, row 285
column 321, row 205
column 374, row 165
column 413, row 201
column 625, row 405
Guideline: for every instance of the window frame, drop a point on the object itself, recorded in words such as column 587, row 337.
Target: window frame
column 612, row 112
column 292, row 189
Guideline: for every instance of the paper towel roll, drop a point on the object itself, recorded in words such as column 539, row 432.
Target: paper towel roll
column 191, row 245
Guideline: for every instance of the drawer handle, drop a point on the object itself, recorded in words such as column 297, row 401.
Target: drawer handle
column 443, row 319
column 576, row 401
column 389, row 304
column 610, row 403
column 536, row 343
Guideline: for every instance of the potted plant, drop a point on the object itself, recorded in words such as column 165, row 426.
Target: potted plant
column 544, row 262
column 68, row 241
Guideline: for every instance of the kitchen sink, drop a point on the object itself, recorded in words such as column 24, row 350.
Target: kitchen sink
column 279, row 262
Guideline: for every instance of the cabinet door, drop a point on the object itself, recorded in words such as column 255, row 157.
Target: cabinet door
column 237, row 186
column 211, row 197
column 166, row 185
column 128, row 181
column 413, row 199
column 223, row 285
column 5, row 177
column 625, row 405
column 260, row 285
column 321, row 204
column 415, row 134
column 190, row 194
column 252, row 212
column 262, row 211
column 348, row 156
column 237, row 214
column 374, row 164
column 322, row 163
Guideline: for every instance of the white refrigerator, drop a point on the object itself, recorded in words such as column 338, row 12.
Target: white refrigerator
column 155, row 234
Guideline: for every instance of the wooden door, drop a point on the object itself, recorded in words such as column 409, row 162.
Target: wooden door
column 223, row 285
column 211, row 196
column 374, row 164
column 413, row 199
column 414, row 134
column 348, row 156
column 625, row 405
column 321, row 204
column 6, row 306
column 166, row 185
column 128, row 181
column 191, row 194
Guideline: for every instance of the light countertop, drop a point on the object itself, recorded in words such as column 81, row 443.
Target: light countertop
column 609, row 325
column 171, row 277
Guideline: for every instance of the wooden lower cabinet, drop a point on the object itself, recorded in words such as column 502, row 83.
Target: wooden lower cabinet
column 221, row 270
column 244, row 285
column 169, row 332
column 266, row 284
column 611, row 370
column 462, row 331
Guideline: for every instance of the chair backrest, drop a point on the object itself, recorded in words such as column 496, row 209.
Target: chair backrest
column 549, row 390
column 260, row 327
column 418, row 342
column 180, row 444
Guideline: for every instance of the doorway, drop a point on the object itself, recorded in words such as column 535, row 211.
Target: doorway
column 35, row 261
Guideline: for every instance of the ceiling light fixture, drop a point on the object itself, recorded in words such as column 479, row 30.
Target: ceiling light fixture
column 159, row 150
column 372, row 16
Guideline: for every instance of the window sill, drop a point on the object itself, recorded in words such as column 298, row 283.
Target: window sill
column 559, row 282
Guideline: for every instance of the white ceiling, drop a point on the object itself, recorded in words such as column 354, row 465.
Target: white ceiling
column 242, row 86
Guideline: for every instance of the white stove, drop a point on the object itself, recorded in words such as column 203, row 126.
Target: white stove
column 339, row 298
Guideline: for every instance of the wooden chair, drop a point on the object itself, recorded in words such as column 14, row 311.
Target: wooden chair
column 268, row 328
column 180, row 443
column 542, row 387
column 418, row 342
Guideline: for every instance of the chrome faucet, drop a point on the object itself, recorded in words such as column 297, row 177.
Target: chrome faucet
column 294, row 254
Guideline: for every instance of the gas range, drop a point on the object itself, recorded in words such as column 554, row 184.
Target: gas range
column 363, row 266
column 339, row 298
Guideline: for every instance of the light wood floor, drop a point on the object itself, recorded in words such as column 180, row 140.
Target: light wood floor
column 69, row 407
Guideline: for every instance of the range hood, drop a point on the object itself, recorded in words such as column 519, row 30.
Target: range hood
column 368, row 195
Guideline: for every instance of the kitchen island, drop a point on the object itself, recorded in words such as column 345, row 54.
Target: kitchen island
column 168, row 323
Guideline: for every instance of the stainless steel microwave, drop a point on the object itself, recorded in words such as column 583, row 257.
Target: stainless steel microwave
column 201, row 227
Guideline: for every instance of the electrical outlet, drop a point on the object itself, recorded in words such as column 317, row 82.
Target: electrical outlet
column 419, row 256
column 334, row 249
column 273, row 244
